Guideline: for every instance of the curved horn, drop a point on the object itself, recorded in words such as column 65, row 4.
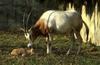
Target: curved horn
column 24, row 16
column 28, row 16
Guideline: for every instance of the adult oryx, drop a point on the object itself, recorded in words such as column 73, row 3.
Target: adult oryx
column 57, row 22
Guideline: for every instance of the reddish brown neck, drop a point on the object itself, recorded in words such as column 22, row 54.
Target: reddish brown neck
column 38, row 32
column 41, row 28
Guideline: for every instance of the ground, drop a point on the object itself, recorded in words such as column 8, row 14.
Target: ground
column 88, row 55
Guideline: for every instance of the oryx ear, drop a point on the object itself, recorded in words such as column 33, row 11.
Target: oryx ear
column 22, row 29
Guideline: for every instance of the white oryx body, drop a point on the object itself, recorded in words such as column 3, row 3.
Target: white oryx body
column 62, row 22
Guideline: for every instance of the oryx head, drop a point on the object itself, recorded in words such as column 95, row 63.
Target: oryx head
column 32, row 34
column 27, row 33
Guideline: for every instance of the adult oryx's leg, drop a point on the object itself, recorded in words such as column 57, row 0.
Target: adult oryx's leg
column 79, row 38
column 48, row 43
column 72, row 40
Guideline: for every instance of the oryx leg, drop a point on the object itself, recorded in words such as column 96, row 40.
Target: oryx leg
column 48, row 43
column 79, row 38
column 72, row 39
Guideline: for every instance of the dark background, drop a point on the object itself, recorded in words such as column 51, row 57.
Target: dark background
column 12, row 11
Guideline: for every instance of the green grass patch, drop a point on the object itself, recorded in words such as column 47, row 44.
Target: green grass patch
column 60, row 46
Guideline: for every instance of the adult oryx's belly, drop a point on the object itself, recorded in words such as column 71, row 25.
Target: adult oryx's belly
column 63, row 27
